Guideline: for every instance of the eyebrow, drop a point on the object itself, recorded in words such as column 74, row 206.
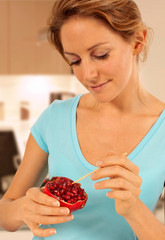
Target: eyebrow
column 89, row 49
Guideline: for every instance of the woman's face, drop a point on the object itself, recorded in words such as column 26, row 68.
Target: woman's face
column 101, row 60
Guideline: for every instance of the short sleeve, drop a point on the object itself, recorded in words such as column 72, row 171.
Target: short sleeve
column 39, row 130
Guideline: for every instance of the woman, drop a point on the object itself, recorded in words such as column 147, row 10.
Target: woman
column 103, row 41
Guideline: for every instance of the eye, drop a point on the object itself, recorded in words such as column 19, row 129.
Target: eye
column 75, row 63
column 104, row 56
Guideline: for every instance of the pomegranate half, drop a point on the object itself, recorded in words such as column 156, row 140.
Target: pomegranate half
column 69, row 194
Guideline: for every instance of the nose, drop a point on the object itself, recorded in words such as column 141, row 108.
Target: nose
column 90, row 71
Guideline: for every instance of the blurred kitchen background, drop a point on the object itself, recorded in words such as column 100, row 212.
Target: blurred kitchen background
column 33, row 74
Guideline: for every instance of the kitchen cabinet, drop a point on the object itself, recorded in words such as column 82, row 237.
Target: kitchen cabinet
column 9, row 158
column 3, row 37
column 25, row 52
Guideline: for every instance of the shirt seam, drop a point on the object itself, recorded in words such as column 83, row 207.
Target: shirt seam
column 146, row 139
column 74, row 141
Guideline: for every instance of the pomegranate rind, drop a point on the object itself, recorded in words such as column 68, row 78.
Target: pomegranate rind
column 71, row 206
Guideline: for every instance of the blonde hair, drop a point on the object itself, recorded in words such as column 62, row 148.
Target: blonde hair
column 122, row 16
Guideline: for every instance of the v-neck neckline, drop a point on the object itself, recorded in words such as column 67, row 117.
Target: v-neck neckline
column 131, row 155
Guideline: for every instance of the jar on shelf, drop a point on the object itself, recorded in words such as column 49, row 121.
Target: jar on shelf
column 24, row 110
column 1, row 111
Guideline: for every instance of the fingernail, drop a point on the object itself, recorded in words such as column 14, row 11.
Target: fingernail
column 99, row 163
column 93, row 176
column 52, row 232
column 56, row 204
column 109, row 195
column 68, row 218
column 96, row 184
column 65, row 211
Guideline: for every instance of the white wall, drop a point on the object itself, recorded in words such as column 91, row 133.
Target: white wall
column 153, row 71
column 36, row 91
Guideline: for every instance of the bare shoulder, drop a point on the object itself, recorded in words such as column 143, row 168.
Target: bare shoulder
column 87, row 101
column 156, row 105
column 30, row 169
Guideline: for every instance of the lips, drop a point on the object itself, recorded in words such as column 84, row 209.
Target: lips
column 99, row 86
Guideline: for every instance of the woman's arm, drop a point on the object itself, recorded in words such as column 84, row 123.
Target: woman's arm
column 145, row 224
column 124, row 182
column 24, row 203
column 26, row 176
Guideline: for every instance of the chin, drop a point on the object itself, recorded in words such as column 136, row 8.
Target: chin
column 103, row 98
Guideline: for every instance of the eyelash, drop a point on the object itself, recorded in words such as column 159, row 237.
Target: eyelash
column 75, row 63
column 102, row 57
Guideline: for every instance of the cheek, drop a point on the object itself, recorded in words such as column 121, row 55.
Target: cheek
column 121, row 68
column 78, row 73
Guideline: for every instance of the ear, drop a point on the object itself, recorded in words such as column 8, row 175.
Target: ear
column 139, row 42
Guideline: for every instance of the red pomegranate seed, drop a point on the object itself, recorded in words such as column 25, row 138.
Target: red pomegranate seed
column 68, row 193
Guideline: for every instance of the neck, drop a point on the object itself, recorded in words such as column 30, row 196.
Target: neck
column 132, row 99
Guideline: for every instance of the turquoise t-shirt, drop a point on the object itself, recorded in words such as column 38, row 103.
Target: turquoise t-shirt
column 55, row 133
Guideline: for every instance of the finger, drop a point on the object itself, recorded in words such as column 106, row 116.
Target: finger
column 117, row 172
column 48, row 210
column 117, row 183
column 120, row 195
column 39, row 232
column 45, row 220
column 38, row 196
column 120, row 160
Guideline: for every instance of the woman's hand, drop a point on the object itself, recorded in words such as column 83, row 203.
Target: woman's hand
column 124, row 182
column 39, row 208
